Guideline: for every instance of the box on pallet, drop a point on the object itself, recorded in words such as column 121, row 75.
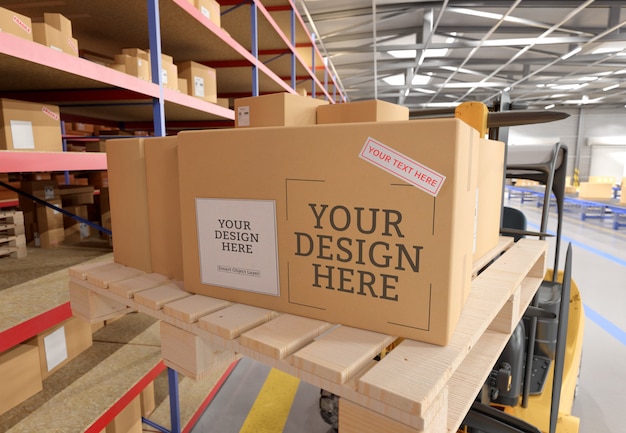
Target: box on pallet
column 361, row 111
column 29, row 126
column 368, row 225
column 21, row 376
column 277, row 109
column 16, row 24
column 201, row 81
column 60, row 344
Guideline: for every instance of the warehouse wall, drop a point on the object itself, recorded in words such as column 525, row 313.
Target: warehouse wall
column 597, row 126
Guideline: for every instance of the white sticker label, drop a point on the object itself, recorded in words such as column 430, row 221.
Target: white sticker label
column 198, row 86
column 205, row 12
column 22, row 134
column 164, row 76
column 243, row 116
column 237, row 244
column 56, row 348
column 402, row 167
column 48, row 193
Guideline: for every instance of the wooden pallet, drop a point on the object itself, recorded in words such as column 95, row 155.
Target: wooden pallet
column 416, row 387
column 12, row 234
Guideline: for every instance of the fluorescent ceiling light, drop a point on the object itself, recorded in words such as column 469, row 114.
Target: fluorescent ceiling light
column 588, row 78
column 547, row 107
column 472, row 85
column 399, row 80
column 461, row 70
column 419, row 89
column 571, row 53
column 395, row 80
column 421, row 80
column 411, row 54
column 607, row 88
column 567, row 86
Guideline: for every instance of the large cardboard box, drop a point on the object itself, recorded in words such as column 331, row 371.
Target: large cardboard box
column 361, row 111
column 60, row 344
column 201, row 81
column 368, row 225
column 128, row 203
column 488, row 196
column 21, row 377
column 595, row 191
column 276, row 109
column 128, row 420
column 16, row 24
column 59, row 22
column 29, row 126
column 54, row 38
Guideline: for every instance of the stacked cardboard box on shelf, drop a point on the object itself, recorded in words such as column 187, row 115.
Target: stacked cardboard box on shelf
column 30, row 126
column 136, row 62
column 277, row 109
column 16, row 24
column 200, row 80
column 210, row 9
column 56, row 33
column 44, row 225
column 21, row 376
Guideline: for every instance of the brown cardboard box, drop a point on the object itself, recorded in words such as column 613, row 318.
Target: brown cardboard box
column 592, row 190
column 136, row 52
column 59, row 22
column 128, row 420
column 96, row 146
column 352, row 223
column 99, row 179
column 148, row 404
column 166, row 251
column 361, row 111
column 183, row 86
column 210, row 9
column 16, row 24
column 488, row 196
column 75, row 231
column 135, row 66
column 21, row 377
column 45, row 34
column 129, row 203
column 201, row 80
column 60, row 344
column 43, row 189
column 277, row 109
column 29, row 126
column 73, row 195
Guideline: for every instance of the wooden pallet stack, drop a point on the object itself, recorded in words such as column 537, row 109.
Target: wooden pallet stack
column 12, row 234
column 416, row 387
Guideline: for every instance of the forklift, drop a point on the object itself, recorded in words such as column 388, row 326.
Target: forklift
column 532, row 386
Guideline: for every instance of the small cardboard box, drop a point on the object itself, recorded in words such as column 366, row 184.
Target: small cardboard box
column 59, row 22
column 210, row 9
column 75, row 231
column 277, row 109
column 45, row 34
column 21, row 376
column 128, row 420
column 201, row 81
column 16, row 24
column 361, row 111
column 136, row 52
column 488, row 196
column 368, row 225
column 135, row 66
column 30, row 126
column 60, row 344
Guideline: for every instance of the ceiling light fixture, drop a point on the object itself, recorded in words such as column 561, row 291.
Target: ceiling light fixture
column 547, row 107
column 607, row 88
column 571, row 53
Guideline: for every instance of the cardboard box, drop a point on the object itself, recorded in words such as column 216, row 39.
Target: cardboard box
column 210, row 9
column 45, row 34
column 74, row 195
column 42, row 189
column 129, row 203
column 30, row 126
column 592, row 190
column 128, row 420
column 16, row 24
column 488, row 196
column 361, row 111
column 59, row 22
column 183, row 86
column 136, row 52
column 135, row 66
column 368, row 225
column 60, row 344
column 21, row 377
column 277, row 109
column 146, row 398
column 96, row 146
column 201, row 80
column 166, row 250
column 75, row 231
column 99, row 179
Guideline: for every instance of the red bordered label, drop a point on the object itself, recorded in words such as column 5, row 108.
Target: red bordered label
column 50, row 113
column 402, row 166
column 21, row 23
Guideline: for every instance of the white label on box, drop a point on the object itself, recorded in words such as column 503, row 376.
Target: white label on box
column 48, row 192
column 22, row 134
column 56, row 48
column 84, row 231
column 237, row 244
column 402, row 166
column 198, row 86
column 55, row 347
column 205, row 12
column 243, row 116
column 164, row 76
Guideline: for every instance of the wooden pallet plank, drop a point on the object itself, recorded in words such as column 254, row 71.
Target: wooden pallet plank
column 91, row 306
column 234, row 320
column 283, row 335
column 341, row 352
column 156, row 298
column 191, row 308
column 81, row 271
column 128, row 288
column 105, row 278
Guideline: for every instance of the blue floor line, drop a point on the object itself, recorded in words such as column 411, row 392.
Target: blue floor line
column 605, row 324
column 596, row 251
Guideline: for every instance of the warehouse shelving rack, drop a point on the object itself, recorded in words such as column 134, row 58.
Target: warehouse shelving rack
column 261, row 47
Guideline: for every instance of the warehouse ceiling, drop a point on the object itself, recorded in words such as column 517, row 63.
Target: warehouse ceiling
column 424, row 54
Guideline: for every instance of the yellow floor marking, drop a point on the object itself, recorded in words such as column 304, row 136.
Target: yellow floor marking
column 272, row 405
